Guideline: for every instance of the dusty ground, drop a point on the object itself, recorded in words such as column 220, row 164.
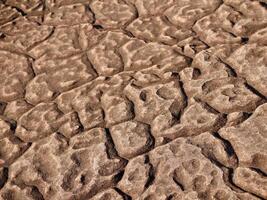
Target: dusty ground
column 133, row 99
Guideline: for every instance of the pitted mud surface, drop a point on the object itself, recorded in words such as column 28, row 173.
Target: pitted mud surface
column 133, row 99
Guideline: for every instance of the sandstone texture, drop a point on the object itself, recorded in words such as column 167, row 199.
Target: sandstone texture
column 133, row 99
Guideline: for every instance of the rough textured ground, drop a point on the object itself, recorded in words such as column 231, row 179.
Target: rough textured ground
column 133, row 99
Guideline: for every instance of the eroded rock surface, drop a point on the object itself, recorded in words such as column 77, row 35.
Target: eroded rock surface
column 133, row 100
column 249, row 139
column 54, row 155
column 243, row 60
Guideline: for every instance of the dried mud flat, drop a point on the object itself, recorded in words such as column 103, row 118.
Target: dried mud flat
column 133, row 99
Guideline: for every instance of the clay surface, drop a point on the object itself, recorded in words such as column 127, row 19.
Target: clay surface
column 133, row 99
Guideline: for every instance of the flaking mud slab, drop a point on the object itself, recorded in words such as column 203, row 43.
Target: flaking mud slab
column 133, row 100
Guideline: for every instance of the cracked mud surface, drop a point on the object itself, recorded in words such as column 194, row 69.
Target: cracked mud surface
column 133, row 99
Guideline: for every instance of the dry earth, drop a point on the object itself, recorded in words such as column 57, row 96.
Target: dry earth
column 133, row 99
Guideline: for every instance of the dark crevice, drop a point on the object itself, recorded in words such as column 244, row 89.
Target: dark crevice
column 258, row 196
column 151, row 173
column 131, row 105
column 244, row 40
column 3, row 177
column 220, row 122
column 196, row 73
column 228, row 179
column 2, row 36
column 201, row 40
column 62, row 137
column 81, row 127
column 182, row 48
column 263, row 4
column 67, row 182
column 39, row 42
column 178, row 183
column 170, row 197
column 212, row 159
column 234, row 35
column 252, row 89
column 175, row 75
column 189, row 61
column 169, row 23
column 76, row 160
column 206, row 106
column 260, row 172
column 30, row 64
column 147, row 161
column 19, row 10
column 98, row 26
column 135, row 8
column 32, row 105
column 124, row 195
column 166, row 140
column 228, row 148
column 209, row 108
column 29, row 144
column 150, row 144
column 129, row 33
column 82, row 179
column 118, row 176
column 90, row 65
column 231, row 70
column 143, row 96
column 43, row 11
column 177, row 115
column 36, row 194
column 110, row 146
column 246, row 116
column 16, row 140
column 13, row 125
column 91, row 11
column 2, row 107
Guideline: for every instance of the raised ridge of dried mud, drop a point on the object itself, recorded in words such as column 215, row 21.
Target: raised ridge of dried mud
column 133, row 99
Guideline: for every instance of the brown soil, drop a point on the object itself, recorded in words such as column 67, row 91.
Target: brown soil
column 133, row 99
